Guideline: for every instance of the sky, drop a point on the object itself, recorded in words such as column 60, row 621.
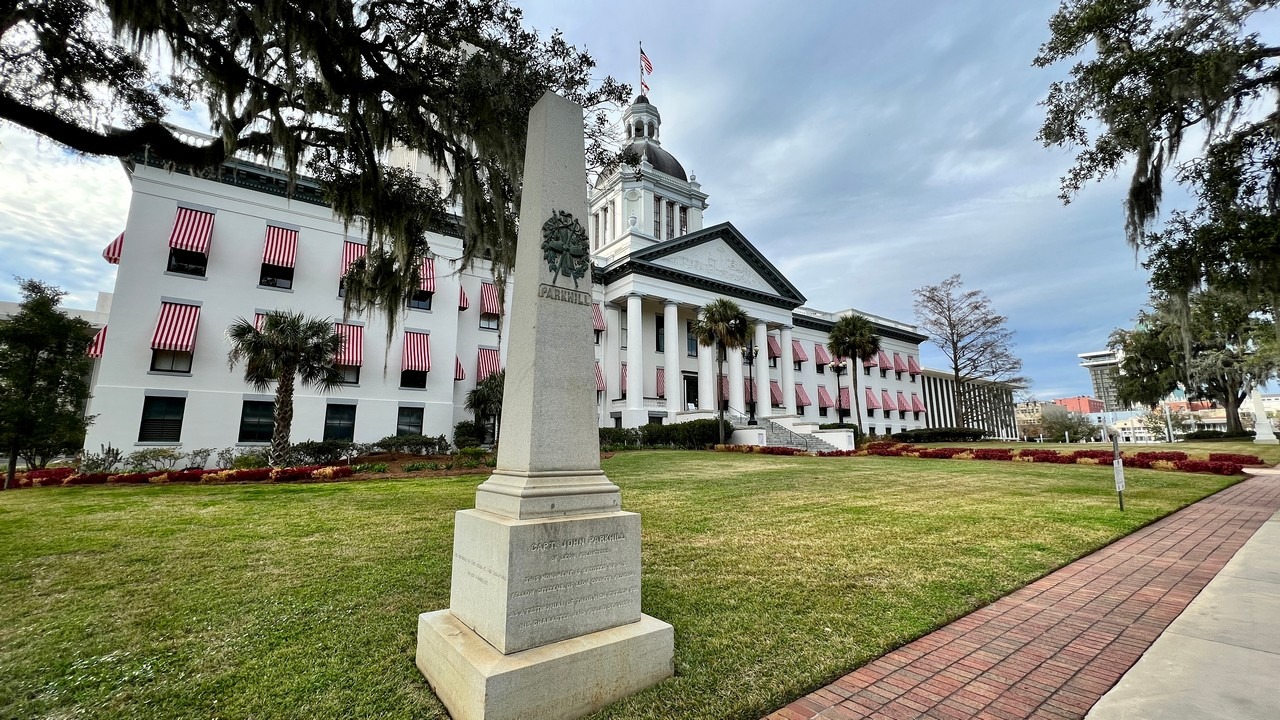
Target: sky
column 867, row 149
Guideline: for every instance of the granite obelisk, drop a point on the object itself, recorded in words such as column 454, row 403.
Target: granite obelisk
column 544, row 612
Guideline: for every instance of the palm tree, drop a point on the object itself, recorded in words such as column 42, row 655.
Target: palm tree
column 723, row 324
column 288, row 346
column 853, row 336
column 485, row 399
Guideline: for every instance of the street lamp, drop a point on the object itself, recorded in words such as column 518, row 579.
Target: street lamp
column 752, row 351
column 837, row 367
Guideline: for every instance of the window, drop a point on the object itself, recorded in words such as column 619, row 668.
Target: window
column 897, row 375
column 409, row 421
column 822, row 412
column 671, row 220
column 913, row 378
column 886, row 413
column 822, row 369
column 659, row 334
column 684, row 220
column 797, row 365
column 257, row 421
column 174, row 361
column 162, row 419
column 871, row 429
column 902, row 414
column 599, row 336
column 186, row 262
column 915, row 416
column 866, row 369
column 773, row 362
column 657, row 217
column 420, row 300
column 691, row 340
column 622, row 337
column 884, row 373
column 488, row 321
column 340, row 422
column 871, row 412
column 350, row 374
column 413, row 379
column 276, row 276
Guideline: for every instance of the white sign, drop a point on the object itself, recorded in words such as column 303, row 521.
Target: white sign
column 1118, row 464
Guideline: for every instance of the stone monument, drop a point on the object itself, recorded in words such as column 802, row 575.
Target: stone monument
column 544, row 613
column 1262, row 432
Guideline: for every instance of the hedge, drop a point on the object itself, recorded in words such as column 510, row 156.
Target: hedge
column 692, row 435
column 933, row 435
column 1218, row 435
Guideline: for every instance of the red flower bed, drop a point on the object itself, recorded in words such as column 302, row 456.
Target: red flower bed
column 881, row 445
column 1208, row 466
column 1236, row 458
column 1092, row 454
column 249, row 475
column 1170, row 455
column 1138, row 461
column 301, row 472
column 992, row 454
column 767, row 450
column 942, row 453
column 135, row 477
column 188, row 475
column 52, row 474
column 836, row 453
column 1046, row 456
column 87, row 479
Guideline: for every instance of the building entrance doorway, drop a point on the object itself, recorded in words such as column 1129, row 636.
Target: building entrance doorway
column 690, row 391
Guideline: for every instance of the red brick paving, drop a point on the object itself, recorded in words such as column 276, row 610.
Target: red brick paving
column 1053, row 648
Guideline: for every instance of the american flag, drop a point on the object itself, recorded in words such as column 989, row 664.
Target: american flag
column 644, row 62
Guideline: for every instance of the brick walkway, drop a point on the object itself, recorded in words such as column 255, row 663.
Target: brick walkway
column 1051, row 649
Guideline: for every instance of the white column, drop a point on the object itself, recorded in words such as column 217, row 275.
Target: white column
column 763, row 402
column 737, row 399
column 706, row 376
column 671, row 358
column 788, row 371
column 635, row 414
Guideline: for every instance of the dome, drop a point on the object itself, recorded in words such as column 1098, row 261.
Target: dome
column 661, row 160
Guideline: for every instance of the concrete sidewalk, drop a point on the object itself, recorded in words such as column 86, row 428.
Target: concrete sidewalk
column 1054, row 648
column 1221, row 657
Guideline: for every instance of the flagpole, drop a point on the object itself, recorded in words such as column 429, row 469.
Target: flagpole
column 641, row 61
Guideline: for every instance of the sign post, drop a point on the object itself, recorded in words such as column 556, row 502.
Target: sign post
column 1118, row 465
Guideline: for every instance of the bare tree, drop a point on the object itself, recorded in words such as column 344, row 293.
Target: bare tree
column 975, row 340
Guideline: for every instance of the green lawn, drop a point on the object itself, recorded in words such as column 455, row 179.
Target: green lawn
column 301, row 601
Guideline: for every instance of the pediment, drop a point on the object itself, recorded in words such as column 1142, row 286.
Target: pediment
column 720, row 254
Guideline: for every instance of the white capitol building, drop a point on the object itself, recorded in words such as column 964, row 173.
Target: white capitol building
column 200, row 251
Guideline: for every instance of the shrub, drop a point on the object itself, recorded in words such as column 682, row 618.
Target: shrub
column 248, row 459
column 158, row 458
column 416, row 466
column 1137, row 461
column 1162, row 455
column 836, row 453
column 933, row 435
column 300, row 472
column 333, row 472
column 1097, row 455
column 467, row 434
column 620, row 437
column 472, row 453
column 96, row 478
column 199, row 457
column 942, row 453
column 190, row 475
column 1088, row 461
column 776, row 450
column 371, row 468
column 1040, row 456
column 136, row 477
column 104, row 462
column 414, row 444
column 1236, row 459
column 692, row 435
column 319, row 452
column 52, row 475
column 1217, row 435
column 992, row 454
column 1206, row 466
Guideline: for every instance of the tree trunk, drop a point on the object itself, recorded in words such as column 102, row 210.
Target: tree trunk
column 720, row 387
column 13, row 467
column 283, row 421
column 1232, row 406
column 857, row 406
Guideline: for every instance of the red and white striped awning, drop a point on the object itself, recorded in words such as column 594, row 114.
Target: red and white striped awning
column 899, row 365
column 191, row 230
column 917, row 405
column 869, row 397
column 427, row 273
column 458, row 372
column 597, row 316
column 824, row 398
column 417, row 352
column 913, row 367
column 111, row 253
column 820, row 353
column 845, row 402
column 487, row 363
column 797, row 352
column 351, row 252
column 599, row 378
column 176, row 327
column 352, row 351
column 622, row 377
column 775, row 347
column 869, row 362
column 884, row 361
column 802, row 397
column 661, row 386
column 463, row 302
column 886, row 401
column 775, row 392
column 901, row 402
column 489, row 299
column 281, row 247
column 258, row 319
column 98, row 343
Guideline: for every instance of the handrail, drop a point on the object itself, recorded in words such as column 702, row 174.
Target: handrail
column 806, row 441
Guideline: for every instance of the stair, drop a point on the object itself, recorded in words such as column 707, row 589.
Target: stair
column 778, row 436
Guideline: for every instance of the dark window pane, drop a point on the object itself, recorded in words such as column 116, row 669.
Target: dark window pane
column 421, row 300
column 409, row 421
column 488, row 321
column 413, row 379
column 257, row 421
column 340, row 422
column 276, row 276
column 170, row 361
column 161, row 419
column 350, row 374
column 187, row 262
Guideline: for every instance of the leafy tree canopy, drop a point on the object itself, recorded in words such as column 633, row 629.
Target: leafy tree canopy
column 327, row 87
column 1067, row 427
column 44, row 377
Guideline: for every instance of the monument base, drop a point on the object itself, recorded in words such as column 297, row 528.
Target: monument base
column 564, row 680
column 1266, row 441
